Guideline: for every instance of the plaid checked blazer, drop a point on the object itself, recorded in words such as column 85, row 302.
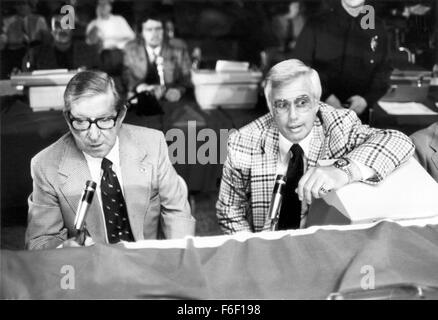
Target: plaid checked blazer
column 250, row 168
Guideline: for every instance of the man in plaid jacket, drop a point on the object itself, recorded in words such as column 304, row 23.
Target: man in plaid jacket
column 260, row 150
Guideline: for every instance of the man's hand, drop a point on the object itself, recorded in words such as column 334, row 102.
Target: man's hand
column 334, row 101
column 173, row 95
column 357, row 104
column 316, row 182
column 157, row 90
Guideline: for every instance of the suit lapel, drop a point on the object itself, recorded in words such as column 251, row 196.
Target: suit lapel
column 264, row 168
column 434, row 147
column 137, row 177
column 74, row 172
column 317, row 144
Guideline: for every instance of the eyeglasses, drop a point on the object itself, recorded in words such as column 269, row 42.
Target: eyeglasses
column 302, row 104
column 85, row 124
column 156, row 29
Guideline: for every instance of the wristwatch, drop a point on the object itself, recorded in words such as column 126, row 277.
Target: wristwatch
column 345, row 165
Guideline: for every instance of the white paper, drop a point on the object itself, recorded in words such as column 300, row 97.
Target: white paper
column 48, row 71
column 405, row 108
column 407, row 193
column 231, row 66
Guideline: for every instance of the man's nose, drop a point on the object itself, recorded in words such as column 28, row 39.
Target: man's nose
column 293, row 115
column 93, row 132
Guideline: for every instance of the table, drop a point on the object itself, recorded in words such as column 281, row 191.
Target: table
column 408, row 124
column 298, row 264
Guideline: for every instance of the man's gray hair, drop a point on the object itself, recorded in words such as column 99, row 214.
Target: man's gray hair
column 287, row 71
column 88, row 84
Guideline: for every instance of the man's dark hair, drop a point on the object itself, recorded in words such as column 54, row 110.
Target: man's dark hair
column 153, row 15
column 88, row 84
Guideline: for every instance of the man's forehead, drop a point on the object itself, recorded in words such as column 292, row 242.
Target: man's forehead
column 151, row 23
column 90, row 105
column 300, row 86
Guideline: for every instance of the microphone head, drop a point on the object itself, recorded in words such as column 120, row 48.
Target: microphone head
column 91, row 184
column 159, row 60
column 280, row 179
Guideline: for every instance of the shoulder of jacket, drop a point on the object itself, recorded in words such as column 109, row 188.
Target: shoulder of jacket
column 52, row 154
column 425, row 135
column 142, row 132
column 251, row 133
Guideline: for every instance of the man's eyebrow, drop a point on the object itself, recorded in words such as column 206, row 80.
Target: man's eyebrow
column 86, row 118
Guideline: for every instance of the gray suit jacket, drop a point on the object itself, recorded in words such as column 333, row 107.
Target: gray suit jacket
column 176, row 65
column 155, row 196
column 426, row 149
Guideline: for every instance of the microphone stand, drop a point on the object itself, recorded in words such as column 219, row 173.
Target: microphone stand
column 275, row 205
column 79, row 223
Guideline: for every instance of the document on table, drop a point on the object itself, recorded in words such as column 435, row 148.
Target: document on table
column 405, row 108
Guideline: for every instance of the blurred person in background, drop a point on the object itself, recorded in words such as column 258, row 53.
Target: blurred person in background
column 110, row 33
column 64, row 51
column 286, row 26
column 20, row 32
column 109, row 30
column 426, row 149
column 153, row 64
column 352, row 60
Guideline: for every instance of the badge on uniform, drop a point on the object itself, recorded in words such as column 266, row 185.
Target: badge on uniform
column 374, row 43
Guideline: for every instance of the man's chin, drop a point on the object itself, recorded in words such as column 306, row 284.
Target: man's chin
column 96, row 153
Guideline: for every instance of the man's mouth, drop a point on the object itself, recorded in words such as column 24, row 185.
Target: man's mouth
column 96, row 145
column 295, row 128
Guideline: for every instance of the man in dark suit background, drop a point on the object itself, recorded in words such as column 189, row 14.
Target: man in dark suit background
column 153, row 64
column 426, row 148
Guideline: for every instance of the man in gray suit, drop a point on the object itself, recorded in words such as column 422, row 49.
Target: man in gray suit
column 139, row 195
column 426, row 148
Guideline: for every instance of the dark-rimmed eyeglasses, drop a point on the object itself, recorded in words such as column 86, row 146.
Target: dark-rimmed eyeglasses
column 104, row 123
column 302, row 104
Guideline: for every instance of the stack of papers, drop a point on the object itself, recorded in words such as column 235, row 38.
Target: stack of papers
column 231, row 66
column 406, row 108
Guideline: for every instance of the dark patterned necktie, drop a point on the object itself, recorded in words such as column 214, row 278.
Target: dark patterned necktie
column 152, row 76
column 114, row 206
column 290, row 212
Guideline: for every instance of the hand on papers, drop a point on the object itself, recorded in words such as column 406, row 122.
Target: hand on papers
column 316, row 182
column 156, row 89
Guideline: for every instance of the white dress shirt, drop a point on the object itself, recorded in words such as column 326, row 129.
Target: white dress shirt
column 153, row 53
column 114, row 31
column 94, row 165
column 283, row 159
column 285, row 156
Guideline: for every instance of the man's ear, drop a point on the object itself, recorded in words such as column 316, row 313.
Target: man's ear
column 122, row 113
column 268, row 99
column 65, row 114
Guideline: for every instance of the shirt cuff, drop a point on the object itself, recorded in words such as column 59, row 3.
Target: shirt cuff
column 365, row 172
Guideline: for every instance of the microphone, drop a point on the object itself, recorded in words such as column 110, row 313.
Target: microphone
column 159, row 61
column 81, row 212
column 277, row 196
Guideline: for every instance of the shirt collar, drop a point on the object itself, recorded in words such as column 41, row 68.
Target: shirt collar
column 153, row 51
column 285, row 144
column 113, row 155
